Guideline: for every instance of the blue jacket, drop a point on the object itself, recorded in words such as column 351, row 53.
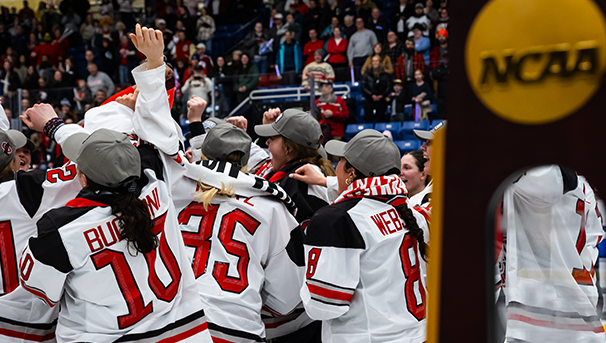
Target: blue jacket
column 298, row 57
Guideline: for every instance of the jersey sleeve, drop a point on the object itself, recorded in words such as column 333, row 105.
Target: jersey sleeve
column 152, row 120
column 67, row 130
column 4, row 123
column 285, row 266
column 333, row 246
column 332, row 188
column 541, row 186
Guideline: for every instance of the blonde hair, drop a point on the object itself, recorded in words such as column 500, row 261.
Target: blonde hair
column 205, row 194
column 8, row 170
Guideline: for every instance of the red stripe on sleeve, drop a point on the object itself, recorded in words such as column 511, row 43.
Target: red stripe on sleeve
column 328, row 293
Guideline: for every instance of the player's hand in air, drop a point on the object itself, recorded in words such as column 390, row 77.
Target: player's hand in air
column 270, row 115
column 195, row 108
column 37, row 116
column 309, row 175
column 238, row 121
column 129, row 100
column 149, row 42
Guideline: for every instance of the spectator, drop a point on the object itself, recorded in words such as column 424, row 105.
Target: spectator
column 289, row 59
column 71, row 20
column 313, row 18
column 167, row 34
column 184, row 48
column 19, row 42
column 26, row 12
column 422, row 95
column 326, row 14
column 375, row 86
column 197, row 84
column 234, row 64
column 40, row 11
column 321, row 71
column 419, row 18
column 337, row 52
column 61, row 43
column 21, row 68
column 51, row 19
column 118, row 33
column 398, row 17
column 9, row 78
column 334, row 111
column 398, row 99
column 126, row 13
column 83, row 96
column 440, row 74
column 394, row 48
column 442, row 23
column 100, row 97
column 128, row 60
column 422, row 43
column 108, row 58
column 149, row 16
column 349, row 27
column 98, row 79
column 377, row 50
column 46, row 69
column 437, row 52
column 205, row 26
column 277, row 31
column 31, row 79
column 297, row 16
column 205, row 61
column 259, row 45
column 361, row 11
column 327, row 34
column 217, row 7
column 170, row 17
column 106, row 10
column 66, row 110
column 247, row 78
column 360, row 46
column 408, row 62
column 87, row 30
column 310, row 47
column 298, row 5
column 44, row 49
column 293, row 27
column 33, row 42
column 430, row 11
column 378, row 24
column 344, row 8
column 221, row 106
column 70, row 74
column 223, row 75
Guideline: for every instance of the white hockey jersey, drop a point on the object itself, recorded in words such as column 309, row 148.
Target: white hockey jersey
column 246, row 250
column 107, row 291
column 553, row 228
column 364, row 279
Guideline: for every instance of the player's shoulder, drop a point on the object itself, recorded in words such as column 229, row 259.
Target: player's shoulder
column 333, row 226
column 57, row 218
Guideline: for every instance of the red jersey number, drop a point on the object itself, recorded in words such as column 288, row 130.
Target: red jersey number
column 8, row 258
column 411, row 269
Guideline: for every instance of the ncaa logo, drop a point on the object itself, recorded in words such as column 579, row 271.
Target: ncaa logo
column 7, row 148
column 527, row 67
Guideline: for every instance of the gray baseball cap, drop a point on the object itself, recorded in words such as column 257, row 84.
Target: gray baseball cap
column 296, row 125
column 105, row 156
column 369, row 151
column 10, row 141
column 425, row 136
column 224, row 139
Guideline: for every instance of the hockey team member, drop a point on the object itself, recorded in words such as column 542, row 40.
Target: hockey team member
column 104, row 244
column 246, row 247
column 362, row 252
column 553, row 227
column 294, row 140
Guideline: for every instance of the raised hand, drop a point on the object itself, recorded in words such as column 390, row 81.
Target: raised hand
column 238, row 121
column 270, row 115
column 37, row 116
column 151, row 43
column 309, row 175
column 195, row 108
column 129, row 100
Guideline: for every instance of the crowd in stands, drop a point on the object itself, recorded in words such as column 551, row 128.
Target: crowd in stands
column 76, row 59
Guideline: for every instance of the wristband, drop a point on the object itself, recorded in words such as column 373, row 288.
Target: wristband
column 51, row 125
column 196, row 128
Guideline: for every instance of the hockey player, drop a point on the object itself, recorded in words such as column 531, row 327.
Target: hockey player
column 117, row 273
column 363, row 278
column 553, row 227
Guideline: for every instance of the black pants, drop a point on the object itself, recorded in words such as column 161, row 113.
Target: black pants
column 312, row 333
column 341, row 72
column 358, row 63
column 378, row 107
column 289, row 77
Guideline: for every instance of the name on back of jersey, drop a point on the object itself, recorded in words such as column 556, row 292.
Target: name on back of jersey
column 385, row 223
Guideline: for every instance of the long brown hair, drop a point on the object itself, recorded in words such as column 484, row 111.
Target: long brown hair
column 309, row 155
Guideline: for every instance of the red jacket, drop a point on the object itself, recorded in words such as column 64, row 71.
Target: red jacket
column 340, row 113
column 417, row 63
column 44, row 49
column 183, row 50
column 310, row 48
column 338, row 53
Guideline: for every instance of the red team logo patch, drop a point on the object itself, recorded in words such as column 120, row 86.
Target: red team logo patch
column 7, row 148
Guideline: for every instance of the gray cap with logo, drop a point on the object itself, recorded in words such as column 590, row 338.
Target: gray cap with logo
column 296, row 125
column 425, row 136
column 223, row 139
column 369, row 151
column 10, row 141
column 105, row 156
